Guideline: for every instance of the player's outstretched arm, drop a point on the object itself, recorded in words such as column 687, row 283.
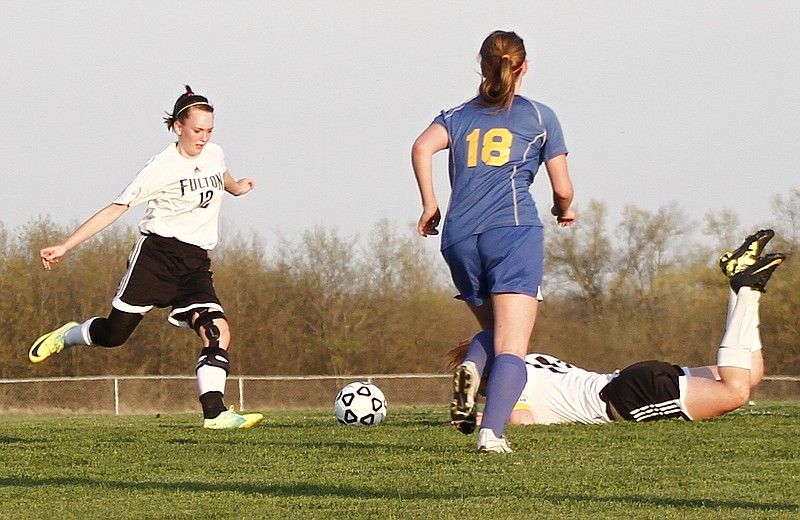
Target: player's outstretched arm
column 239, row 187
column 95, row 224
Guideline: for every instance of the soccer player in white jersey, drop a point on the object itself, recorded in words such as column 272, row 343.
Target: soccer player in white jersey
column 559, row 392
column 492, row 236
column 169, row 266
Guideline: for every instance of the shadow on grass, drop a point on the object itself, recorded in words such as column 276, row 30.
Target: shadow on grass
column 13, row 440
column 349, row 492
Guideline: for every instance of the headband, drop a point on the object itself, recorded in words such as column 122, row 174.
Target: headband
column 189, row 99
column 206, row 103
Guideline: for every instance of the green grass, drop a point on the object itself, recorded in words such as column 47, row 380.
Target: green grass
column 303, row 464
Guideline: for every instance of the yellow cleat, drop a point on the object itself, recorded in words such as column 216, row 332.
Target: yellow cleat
column 49, row 344
column 230, row 420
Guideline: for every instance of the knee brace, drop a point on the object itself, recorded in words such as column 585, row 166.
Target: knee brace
column 205, row 319
column 213, row 357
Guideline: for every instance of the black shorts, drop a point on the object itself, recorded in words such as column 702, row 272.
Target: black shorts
column 165, row 272
column 645, row 391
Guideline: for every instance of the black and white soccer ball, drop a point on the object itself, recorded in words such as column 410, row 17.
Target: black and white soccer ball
column 361, row 404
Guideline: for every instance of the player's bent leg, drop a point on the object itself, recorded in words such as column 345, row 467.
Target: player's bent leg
column 706, row 398
column 737, row 386
column 101, row 332
column 740, row 364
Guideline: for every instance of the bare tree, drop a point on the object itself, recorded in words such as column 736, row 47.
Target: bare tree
column 582, row 255
column 787, row 213
column 723, row 226
column 325, row 268
column 646, row 240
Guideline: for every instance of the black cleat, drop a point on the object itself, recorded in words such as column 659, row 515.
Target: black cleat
column 757, row 275
column 466, row 381
column 746, row 254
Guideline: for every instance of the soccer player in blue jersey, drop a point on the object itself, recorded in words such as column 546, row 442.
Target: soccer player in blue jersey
column 492, row 235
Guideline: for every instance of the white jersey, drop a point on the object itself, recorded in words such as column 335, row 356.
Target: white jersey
column 183, row 195
column 557, row 392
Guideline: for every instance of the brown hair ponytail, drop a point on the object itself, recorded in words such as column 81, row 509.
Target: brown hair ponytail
column 502, row 56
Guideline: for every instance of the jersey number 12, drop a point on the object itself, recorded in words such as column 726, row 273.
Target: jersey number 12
column 205, row 198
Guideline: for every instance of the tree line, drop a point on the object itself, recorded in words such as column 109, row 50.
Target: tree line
column 327, row 303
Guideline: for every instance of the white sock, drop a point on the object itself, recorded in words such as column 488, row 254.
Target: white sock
column 751, row 330
column 211, row 379
column 741, row 333
column 79, row 335
column 732, row 298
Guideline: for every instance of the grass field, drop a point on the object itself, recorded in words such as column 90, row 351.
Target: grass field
column 302, row 464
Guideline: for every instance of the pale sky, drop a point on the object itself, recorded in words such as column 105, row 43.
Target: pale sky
column 695, row 102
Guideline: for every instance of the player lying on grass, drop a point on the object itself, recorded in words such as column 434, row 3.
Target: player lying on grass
column 558, row 392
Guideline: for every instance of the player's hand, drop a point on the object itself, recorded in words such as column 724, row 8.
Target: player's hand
column 245, row 185
column 428, row 222
column 51, row 255
column 564, row 219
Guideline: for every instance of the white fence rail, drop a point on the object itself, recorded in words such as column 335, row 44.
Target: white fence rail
column 161, row 394
column 122, row 395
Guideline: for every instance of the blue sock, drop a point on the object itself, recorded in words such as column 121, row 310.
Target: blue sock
column 481, row 350
column 506, row 382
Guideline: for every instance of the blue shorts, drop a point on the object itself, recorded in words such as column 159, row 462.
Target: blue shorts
column 501, row 260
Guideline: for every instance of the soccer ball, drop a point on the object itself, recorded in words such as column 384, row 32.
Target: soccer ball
column 361, row 404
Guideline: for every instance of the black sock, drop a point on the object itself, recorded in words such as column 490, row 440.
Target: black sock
column 212, row 403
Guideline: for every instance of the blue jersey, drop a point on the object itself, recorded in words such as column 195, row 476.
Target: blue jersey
column 494, row 157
